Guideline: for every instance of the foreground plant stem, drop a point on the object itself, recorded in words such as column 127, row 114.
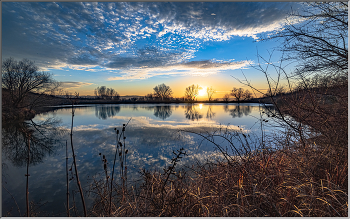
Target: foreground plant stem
column 75, row 164
column 121, row 164
column 67, row 179
column 27, row 175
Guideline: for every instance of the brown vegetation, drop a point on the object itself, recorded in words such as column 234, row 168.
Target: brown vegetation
column 269, row 183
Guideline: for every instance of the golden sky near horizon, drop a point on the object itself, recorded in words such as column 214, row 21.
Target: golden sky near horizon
column 222, row 85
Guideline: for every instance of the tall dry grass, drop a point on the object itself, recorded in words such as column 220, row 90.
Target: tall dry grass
column 285, row 182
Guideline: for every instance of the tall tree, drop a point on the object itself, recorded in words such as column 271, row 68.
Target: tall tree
column 102, row 91
column 238, row 93
column 105, row 93
column 247, row 95
column 23, row 77
column 226, row 97
column 162, row 91
column 210, row 92
column 191, row 92
column 241, row 94
column 149, row 96
column 110, row 93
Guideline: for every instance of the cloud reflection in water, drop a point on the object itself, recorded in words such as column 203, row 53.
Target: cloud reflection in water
column 151, row 137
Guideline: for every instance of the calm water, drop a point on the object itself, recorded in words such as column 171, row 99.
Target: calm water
column 152, row 134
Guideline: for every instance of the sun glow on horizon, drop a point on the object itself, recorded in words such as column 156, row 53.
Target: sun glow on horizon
column 202, row 92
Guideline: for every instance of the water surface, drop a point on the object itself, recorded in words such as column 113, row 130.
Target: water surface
column 153, row 133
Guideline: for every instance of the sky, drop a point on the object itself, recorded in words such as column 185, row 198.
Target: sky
column 134, row 46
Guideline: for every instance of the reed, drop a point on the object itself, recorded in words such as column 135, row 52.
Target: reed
column 121, row 151
column 74, row 160
column 67, row 179
column 27, row 175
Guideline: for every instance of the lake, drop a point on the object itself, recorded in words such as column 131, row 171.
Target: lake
column 152, row 134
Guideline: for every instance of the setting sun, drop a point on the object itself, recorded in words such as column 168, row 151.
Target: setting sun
column 202, row 92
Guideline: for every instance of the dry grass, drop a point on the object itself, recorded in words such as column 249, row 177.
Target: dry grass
column 305, row 175
column 279, row 183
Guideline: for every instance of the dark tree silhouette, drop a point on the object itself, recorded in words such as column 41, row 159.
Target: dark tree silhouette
column 241, row 94
column 191, row 92
column 106, row 93
column 162, row 91
column 149, row 97
column 226, row 97
column 238, row 93
column 210, row 92
column 23, row 77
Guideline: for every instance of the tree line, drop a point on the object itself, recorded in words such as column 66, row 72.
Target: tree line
column 164, row 92
column 106, row 93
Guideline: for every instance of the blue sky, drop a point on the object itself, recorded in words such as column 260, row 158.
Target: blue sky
column 134, row 46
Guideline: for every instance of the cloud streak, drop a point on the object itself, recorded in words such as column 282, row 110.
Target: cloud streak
column 198, row 68
column 72, row 84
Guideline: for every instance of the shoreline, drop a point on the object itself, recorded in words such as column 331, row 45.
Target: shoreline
column 44, row 103
column 57, row 103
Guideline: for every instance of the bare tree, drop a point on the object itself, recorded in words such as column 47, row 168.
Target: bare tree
column 238, row 93
column 110, row 93
column 280, row 90
column 116, row 96
column 162, row 91
column 247, row 95
column 101, row 91
column 319, row 41
column 241, row 94
column 149, row 96
column 105, row 93
column 226, row 97
column 210, row 92
column 23, row 77
column 191, row 92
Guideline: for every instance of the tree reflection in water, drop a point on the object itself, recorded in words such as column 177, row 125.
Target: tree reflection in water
column 238, row 110
column 210, row 113
column 44, row 137
column 192, row 113
column 103, row 112
column 162, row 112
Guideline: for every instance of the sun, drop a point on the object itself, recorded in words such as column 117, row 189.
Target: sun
column 202, row 92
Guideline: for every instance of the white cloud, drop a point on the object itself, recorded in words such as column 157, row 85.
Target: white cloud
column 82, row 36
column 200, row 68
